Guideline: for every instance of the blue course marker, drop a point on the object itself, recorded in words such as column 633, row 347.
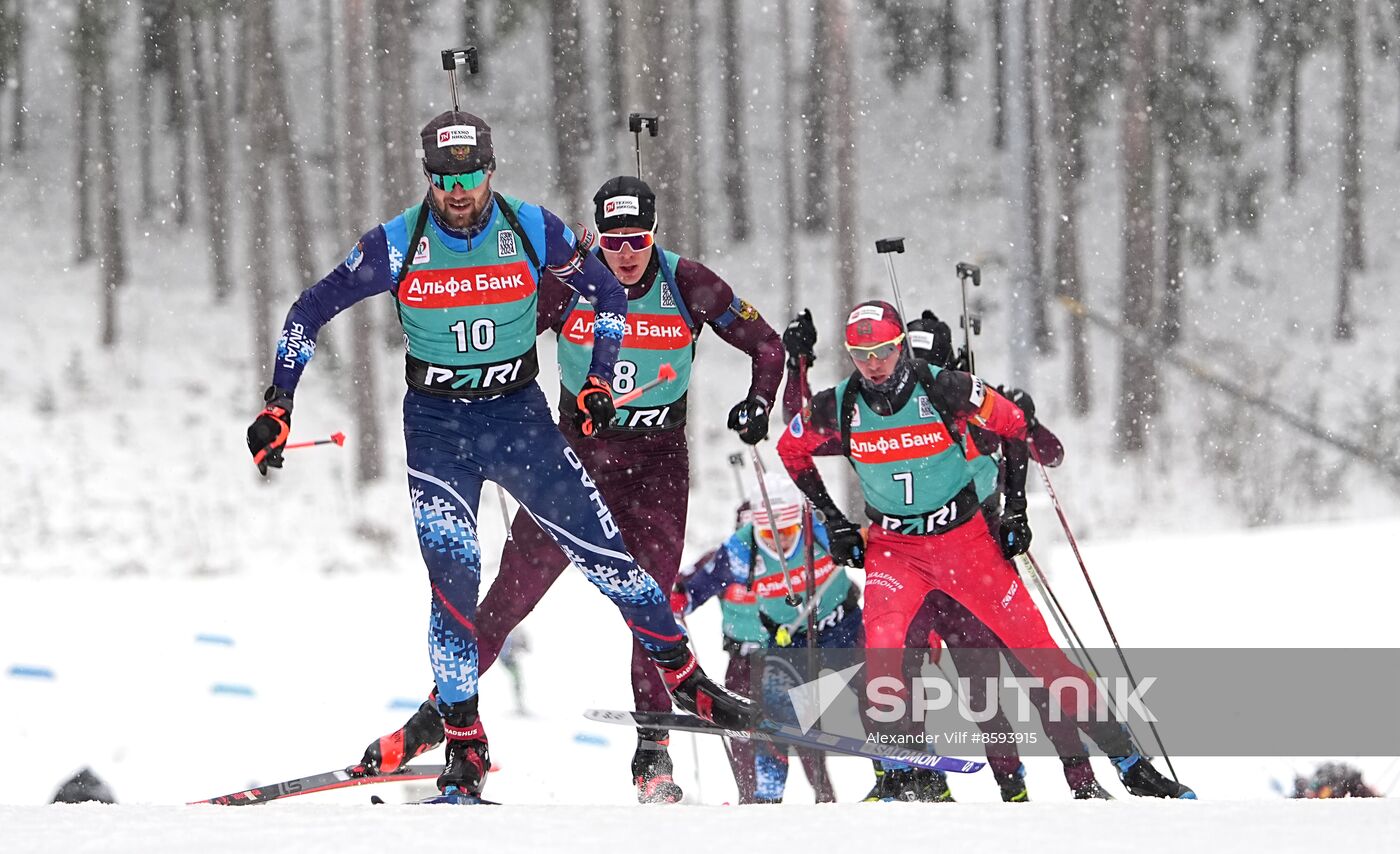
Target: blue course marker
column 25, row 671
column 404, row 703
column 216, row 640
column 590, row 738
column 231, row 689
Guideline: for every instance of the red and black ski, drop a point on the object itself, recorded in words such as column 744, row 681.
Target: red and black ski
column 338, row 779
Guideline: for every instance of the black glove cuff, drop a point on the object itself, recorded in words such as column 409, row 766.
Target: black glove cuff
column 275, row 396
column 1014, row 505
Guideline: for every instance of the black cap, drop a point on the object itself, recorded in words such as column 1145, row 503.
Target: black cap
column 457, row 142
column 624, row 202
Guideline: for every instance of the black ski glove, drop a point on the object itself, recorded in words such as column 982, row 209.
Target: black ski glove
column 1014, row 533
column 800, row 339
column 749, row 418
column 846, row 544
column 595, row 406
column 268, row 432
column 931, row 339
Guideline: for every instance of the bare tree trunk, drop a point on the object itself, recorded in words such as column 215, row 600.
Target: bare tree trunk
column 1353, row 254
column 615, row 58
column 1294, row 167
column 293, row 188
column 471, row 22
column 816, row 213
column 948, row 49
column 18, row 25
column 84, row 50
column 1066, row 129
column 566, row 68
column 112, row 255
column 785, row 115
column 213, row 153
column 1020, row 175
column 176, row 73
column 736, row 186
column 841, row 112
column 998, row 74
column 1179, row 48
column 1039, row 326
column 262, row 278
column 145, row 120
column 1137, row 378
column 362, row 338
column 328, row 159
column 687, row 79
column 222, row 36
column 396, row 143
column 242, row 50
column 654, row 84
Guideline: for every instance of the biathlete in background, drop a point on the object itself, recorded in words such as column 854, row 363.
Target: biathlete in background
column 752, row 552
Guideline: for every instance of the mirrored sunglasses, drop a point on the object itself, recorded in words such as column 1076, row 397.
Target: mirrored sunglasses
column 876, row 351
column 636, row 242
column 465, row 180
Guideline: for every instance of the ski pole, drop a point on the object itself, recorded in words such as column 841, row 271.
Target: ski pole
column 809, row 529
column 968, row 270
column 505, row 512
column 1067, row 630
column 1071, row 635
column 334, row 439
column 1074, row 546
column 635, row 123
column 453, row 57
column 792, row 599
column 736, row 466
column 887, row 246
column 664, row 375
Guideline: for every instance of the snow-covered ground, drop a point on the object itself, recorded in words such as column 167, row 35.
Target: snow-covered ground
column 1364, row 827
column 311, row 669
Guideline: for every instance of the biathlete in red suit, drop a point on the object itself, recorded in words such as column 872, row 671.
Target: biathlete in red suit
column 895, row 420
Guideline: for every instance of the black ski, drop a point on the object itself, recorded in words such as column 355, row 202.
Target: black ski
column 788, row 734
column 337, row 779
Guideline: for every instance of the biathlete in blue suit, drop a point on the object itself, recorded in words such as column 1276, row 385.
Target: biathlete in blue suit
column 463, row 267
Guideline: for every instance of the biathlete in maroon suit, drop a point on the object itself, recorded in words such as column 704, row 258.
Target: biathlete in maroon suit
column 895, row 420
column 640, row 463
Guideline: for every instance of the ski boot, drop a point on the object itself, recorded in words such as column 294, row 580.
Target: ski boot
column 932, row 787
column 1012, row 785
column 1141, row 779
column 390, row 753
column 695, row 692
column 1079, row 774
column 652, row 769
column 468, row 759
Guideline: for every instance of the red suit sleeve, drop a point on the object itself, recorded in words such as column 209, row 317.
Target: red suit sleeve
column 811, row 434
column 968, row 398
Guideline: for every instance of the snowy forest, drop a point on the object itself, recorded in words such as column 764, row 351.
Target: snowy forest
column 1183, row 211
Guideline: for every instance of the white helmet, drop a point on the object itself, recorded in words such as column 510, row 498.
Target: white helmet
column 786, row 500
